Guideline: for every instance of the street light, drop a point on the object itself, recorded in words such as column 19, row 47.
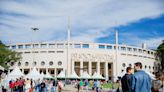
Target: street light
column 34, row 29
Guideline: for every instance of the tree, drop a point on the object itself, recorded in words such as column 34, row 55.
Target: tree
column 160, row 53
column 7, row 56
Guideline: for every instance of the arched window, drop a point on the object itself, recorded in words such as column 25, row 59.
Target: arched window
column 12, row 63
column 145, row 66
column 34, row 63
column 26, row 63
column 42, row 63
column 59, row 63
column 51, row 63
column 123, row 65
column 130, row 65
column 19, row 63
column 149, row 67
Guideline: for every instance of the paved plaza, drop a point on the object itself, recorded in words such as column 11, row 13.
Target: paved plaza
column 71, row 88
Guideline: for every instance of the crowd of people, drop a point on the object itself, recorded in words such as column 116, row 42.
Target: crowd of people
column 29, row 85
column 139, row 81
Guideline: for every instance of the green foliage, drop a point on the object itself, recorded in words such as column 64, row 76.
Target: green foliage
column 160, row 53
column 7, row 56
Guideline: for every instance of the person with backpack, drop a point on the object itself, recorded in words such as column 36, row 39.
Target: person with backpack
column 126, row 80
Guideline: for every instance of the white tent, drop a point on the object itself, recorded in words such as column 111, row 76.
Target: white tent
column 97, row 76
column 16, row 73
column 48, row 75
column 42, row 74
column 74, row 76
column 61, row 75
column 34, row 74
column 85, row 75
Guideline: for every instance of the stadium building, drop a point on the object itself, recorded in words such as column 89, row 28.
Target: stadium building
column 109, row 60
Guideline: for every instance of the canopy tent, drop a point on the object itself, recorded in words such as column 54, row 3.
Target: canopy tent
column 122, row 74
column 61, row 75
column 97, row 76
column 42, row 74
column 85, row 75
column 16, row 73
column 150, row 74
column 48, row 75
column 34, row 74
column 74, row 76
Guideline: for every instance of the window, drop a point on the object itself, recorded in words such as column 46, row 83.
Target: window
column 27, row 46
column 123, row 48
column 140, row 50
column 51, row 45
column 26, row 63
column 27, row 52
column 123, row 65
column 43, row 45
column 60, row 51
column 43, row 51
column 35, row 52
column 134, row 49
column 101, row 46
column 51, row 63
column 59, row 63
column 19, row 63
column 145, row 66
column 60, row 45
column 12, row 63
column 149, row 67
column 42, row 63
column 13, row 47
column 130, row 65
column 51, row 51
column 85, row 45
column 129, row 49
column 20, row 46
column 34, row 63
column 36, row 46
column 109, row 47
column 77, row 46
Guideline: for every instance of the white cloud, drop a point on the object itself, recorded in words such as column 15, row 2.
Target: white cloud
column 153, row 42
column 95, row 16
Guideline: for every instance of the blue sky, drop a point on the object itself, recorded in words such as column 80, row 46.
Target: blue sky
column 138, row 22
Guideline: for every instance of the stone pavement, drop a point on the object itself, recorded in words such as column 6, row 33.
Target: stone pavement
column 71, row 88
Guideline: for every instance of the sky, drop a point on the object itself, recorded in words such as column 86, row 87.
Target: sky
column 137, row 21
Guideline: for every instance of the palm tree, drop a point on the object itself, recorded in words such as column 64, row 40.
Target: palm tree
column 7, row 56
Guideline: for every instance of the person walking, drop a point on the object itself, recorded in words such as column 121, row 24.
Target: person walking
column 126, row 80
column 141, row 81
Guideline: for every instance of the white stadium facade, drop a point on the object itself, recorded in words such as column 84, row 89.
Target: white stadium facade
column 78, row 57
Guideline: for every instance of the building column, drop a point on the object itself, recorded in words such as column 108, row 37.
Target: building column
column 90, row 68
column 106, row 70
column 55, row 73
column 73, row 66
column 46, row 70
column 98, row 67
column 22, row 70
column 81, row 67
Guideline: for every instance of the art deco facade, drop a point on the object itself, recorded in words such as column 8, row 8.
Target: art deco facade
column 102, row 58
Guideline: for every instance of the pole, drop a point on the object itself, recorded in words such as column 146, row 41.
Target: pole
column 116, row 53
column 32, row 43
column 68, row 45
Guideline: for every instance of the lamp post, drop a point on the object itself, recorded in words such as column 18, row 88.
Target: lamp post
column 34, row 29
